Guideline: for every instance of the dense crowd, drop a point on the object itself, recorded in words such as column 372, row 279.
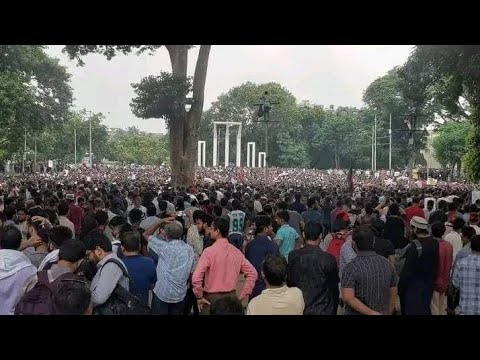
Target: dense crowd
column 123, row 240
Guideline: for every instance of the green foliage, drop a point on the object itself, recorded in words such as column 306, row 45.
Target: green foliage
column 158, row 96
column 133, row 146
column 450, row 142
column 34, row 94
column 452, row 72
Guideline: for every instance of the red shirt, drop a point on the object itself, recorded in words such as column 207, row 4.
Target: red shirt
column 445, row 260
column 452, row 215
column 220, row 265
column 412, row 211
column 76, row 217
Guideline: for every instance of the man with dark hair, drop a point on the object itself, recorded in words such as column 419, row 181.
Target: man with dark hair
column 141, row 269
column 286, row 237
column 70, row 256
column 414, row 210
column 236, row 220
column 277, row 298
column 16, row 270
column 194, row 238
column 220, row 266
column 440, row 214
column 259, row 248
column 418, row 275
column 315, row 272
column 204, row 225
column 467, row 233
column 295, row 220
column 57, row 235
column 429, row 209
column 109, row 273
column 22, row 221
column 297, row 204
column 369, row 282
column 115, row 225
column 454, row 236
column 227, row 306
column 137, row 204
column 63, row 210
column 75, row 214
column 102, row 219
column 73, row 298
column 312, row 214
column 135, row 217
column 466, row 277
column 445, row 260
column 151, row 218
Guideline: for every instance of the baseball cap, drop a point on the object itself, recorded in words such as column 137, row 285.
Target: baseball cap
column 419, row 223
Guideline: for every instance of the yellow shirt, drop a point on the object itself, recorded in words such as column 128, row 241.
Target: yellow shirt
column 278, row 301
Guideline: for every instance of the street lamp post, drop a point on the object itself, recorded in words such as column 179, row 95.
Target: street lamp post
column 264, row 111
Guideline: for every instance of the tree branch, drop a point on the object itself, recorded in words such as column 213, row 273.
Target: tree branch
column 200, row 77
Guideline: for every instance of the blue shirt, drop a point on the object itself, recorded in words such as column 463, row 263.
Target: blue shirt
column 312, row 215
column 175, row 264
column 287, row 236
column 255, row 252
column 143, row 275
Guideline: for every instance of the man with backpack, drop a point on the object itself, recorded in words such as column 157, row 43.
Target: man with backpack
column 110, row 269
column 339, row 245
column 38, row 299
column 57, row 236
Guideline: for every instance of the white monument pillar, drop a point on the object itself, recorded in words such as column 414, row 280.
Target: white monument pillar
column 239, row 146
column 201, row 153
column 262, row 159
column 227, row 145
column 251, row 154
column 215, row 145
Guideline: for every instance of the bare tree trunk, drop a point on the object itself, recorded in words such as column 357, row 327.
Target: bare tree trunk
column 184, row 128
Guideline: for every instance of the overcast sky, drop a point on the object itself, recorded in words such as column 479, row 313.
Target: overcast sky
column 323, row 74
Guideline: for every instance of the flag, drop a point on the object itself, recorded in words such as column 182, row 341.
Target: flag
column 350, row 178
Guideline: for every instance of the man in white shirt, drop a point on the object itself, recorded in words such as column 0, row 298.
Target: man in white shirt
column 137, row 204
column 151, row 218
column 277, row 298
column 63, row 208
column 454, row 236
column 257, row 205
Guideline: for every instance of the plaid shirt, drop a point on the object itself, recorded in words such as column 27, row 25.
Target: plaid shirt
column 466, row 277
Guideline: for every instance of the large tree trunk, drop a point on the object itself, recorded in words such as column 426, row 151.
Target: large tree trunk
column 184, row 128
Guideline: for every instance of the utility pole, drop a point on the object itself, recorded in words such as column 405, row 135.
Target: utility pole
column 390, row 146
column 375, row 147
column 24, row 152
column 264, row 111
column 75, row 144
column 35, row 155
column 373, row 152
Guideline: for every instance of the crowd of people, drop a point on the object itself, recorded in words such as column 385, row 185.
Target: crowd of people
column 122, row 240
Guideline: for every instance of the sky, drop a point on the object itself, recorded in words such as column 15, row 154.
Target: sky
column 322, row 74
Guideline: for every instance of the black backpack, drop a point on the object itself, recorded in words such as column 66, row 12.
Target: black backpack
column 121, row 301
column 39, row 300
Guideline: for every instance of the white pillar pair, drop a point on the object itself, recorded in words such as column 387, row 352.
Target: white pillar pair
column 227, row 142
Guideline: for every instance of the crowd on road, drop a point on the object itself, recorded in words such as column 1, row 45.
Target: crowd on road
column 123, row 240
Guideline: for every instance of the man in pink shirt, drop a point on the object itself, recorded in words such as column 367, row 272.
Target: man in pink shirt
column 220, row 266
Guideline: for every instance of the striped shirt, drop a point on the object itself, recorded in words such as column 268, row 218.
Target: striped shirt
column 466, row 277
column 175, row 264
column 371, row 276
